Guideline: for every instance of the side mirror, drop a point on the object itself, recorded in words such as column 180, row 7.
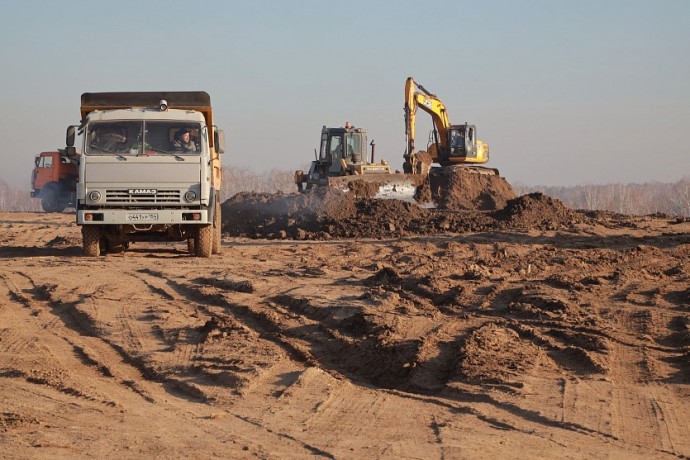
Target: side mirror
column 71, row 134
column 70, row 151
column 219, row 140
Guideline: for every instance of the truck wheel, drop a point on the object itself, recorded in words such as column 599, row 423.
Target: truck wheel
column 51, row 199
column 203, row 243
column 216, row 229
column 91, row 235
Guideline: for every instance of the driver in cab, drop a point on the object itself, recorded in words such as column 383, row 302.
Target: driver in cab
column 183, row 142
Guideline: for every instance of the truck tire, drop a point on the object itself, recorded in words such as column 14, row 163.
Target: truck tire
column 91, row 235
column 216, row 229
column 52, row 199
column 203, row 242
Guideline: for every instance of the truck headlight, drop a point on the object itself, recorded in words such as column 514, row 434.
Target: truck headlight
column 95, row 196
column 189, row 196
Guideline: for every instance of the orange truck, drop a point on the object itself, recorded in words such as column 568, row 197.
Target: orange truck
column 53, row 180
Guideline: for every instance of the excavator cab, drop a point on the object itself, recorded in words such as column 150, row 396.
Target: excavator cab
column 462, row 146
column 462, row 141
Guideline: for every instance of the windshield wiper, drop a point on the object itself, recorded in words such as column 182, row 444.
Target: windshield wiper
column 177, row 157
column 103, row 149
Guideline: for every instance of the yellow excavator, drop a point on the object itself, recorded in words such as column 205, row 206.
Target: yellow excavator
column 449, row 145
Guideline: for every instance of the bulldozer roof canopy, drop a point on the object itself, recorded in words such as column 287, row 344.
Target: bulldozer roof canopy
column 343, row 130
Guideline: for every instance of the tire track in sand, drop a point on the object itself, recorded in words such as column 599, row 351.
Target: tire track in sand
column 47, row 327
column 643, row 412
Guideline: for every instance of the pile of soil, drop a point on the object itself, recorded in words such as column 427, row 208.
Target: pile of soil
column 325, row 213
column 469, row 188
column 536, row 211
column 381, row 218
column 363, row 189
column 494, row 353
column 282, row 215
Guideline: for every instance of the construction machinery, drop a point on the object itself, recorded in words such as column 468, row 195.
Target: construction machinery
column 431, row 178
column 54, row 179
column 449, row 145
column 343, row 163
column 135, row 184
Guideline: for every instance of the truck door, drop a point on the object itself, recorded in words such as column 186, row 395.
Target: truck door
column 44, row 171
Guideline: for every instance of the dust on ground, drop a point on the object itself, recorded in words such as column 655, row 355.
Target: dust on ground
column 349, row 328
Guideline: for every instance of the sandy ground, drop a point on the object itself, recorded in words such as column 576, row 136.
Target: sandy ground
column 548, row 341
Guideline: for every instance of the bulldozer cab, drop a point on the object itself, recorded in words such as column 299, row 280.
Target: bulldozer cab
column 346, row 144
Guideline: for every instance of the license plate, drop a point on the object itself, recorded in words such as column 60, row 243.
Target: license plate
column 149, row 217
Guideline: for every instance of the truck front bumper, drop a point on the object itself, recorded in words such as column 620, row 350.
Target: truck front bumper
column 143, row 217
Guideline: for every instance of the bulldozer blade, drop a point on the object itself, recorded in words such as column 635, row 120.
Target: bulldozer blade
column 380, row 186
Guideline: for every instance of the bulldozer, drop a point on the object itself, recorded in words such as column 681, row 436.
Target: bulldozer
column 342, row 163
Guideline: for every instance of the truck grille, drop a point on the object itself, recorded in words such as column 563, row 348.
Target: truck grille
column 122, row 196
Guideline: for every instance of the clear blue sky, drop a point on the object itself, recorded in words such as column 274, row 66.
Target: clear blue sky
column 565, row 92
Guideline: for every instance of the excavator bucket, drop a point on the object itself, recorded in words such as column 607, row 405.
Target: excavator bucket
column 380, row 186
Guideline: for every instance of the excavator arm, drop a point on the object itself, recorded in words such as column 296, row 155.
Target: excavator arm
column 416, row 96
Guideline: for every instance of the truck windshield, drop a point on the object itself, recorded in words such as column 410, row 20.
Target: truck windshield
column 143, row 138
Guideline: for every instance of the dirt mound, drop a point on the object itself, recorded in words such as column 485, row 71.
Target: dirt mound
column 466, row 188
column 494, row 353
column 383, row 218
column 280, row 215
column 322, row 214
column 537, row 211
column 326, row 213
column 364, row 189
column 464, row 200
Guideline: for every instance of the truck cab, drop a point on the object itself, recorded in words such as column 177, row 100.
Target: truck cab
column 53, row 180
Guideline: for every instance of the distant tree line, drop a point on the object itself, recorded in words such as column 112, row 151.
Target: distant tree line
column 639, row 199
column 17, row 200
column 237, row 180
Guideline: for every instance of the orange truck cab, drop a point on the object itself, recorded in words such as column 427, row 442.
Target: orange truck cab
column 53, row 180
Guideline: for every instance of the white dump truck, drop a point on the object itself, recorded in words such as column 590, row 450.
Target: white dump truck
column 149, row 170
